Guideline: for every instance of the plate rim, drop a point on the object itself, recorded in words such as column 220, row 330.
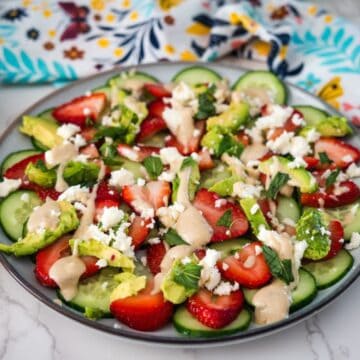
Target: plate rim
column 136, row 336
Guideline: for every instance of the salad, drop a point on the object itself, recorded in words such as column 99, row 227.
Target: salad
column 195, row 203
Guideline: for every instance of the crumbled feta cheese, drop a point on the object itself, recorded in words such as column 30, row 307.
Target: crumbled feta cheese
column 25, row 197
column 143, row 260
column 147, row 213
column 299, row 249
column 110, row 217
column 220, row 202
column 195, row 156
column 297, row 120
column 122, row 177
column 101, row 263
column 183, row 93
column 347, row 158
column 210, row 258
column 353, row 171
column 258, row 250
column 9, row 185
column 66, row 131
column 78, row 140
column 75, row 193
column 86, row 111
column 107, row 120
column 169, row 215
column 354, row 241
column 243, row 190
column 254, row 209
column 170, row 155
column 93, row 232
column 312, row 135
column 140, row 182
column 186, row 260
column 276, row 118
column 80, row 207
column 167, row 176
column 154, row 241
column 287, row 143
column 297, row 163
column 226, row 288
column 122, row 241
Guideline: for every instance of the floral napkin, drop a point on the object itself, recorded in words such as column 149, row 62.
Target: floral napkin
column 44, row 41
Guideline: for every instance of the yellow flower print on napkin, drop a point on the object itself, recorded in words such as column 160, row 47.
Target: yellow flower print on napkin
column 188, row 55
column 198, row 29
column 98, row 5
column 247, row 22
column 332, row 91
column 166, row 5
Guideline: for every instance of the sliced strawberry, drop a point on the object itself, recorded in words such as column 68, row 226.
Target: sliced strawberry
column 341, row 153
column 107, row 192
column 149, row 127
column 328, row 199
column 138, row 231
column 88, row 133
column 336, row 237
column 17, row 171
column 137, row 153
column 215, row 311
column 289, row 126
column 159, row 192
column 156, row 108
column 157, row 90
column 205, row 160
column 91, row 151
column 205, row 202
column 144, row 311
column 311, row 162
column 101, row 204
column 200, row 253
column 194, row 143
column 78, row 110
column 43, row 192
column 47, row 256
column 265, row 208
column 154, row 256
column 251, row 273
column 243, row 138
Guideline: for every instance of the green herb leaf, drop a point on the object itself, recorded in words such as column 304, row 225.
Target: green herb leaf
column 279, row 180
column 230, row 146
column 324, row 159
column 206, row 104
column 187, row 275
column 78, row 173
column 279, row 268
column 225, row 219
column 173, row 238
column 188, row 161
column 93, row 314
column 113, row 132
column 331, row 179
column 153, row 166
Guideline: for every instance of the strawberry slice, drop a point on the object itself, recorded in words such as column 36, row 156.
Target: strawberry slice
column 205, row 202
column 144, row 311
column 265, row 208
column 154, row 194
column 243, row 138
column 78, row 110
column 327, row 199
column 47, row 256
column 138, row 231
column 341, row 153
column 17, row 171
column 107, row 192
column 289, row 126
column 43, row 193
column 154, row 256
column 246, row 268
column 311, row 162
column 215, row 311
column 149, row 127
column 156, row 108
column 137, row 153
column 193, row 146
column 88, row 133
column 157, row 90
column 336, row 237
column 91, row 151
column 101, row 204
column 205, row 160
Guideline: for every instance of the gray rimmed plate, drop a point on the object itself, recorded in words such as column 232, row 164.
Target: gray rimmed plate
column 22, row 269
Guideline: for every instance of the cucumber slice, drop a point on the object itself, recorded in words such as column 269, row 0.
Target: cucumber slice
column 304, row 293
column 228, row 246
column 312, row 115
column 194, row 75
column 329, row 272
column 38, row 145
column 263, row 80
column 15, row 157
column 120, row 79
column 15, row 210
column 133, row 166
column 186, row 324
column 47, row 114
column 287, row 208
column 94, row 292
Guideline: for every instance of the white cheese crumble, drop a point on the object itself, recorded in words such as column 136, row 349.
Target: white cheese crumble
column 354, row 241
column 101, row 263
column 9, row 185
column 347, row 158
column 76, row 193
column 258, row 250
column 186, row 260
column 86, row 111
column 312, row 135
column 353, row 171
column 276, row 117
column 154, row 241
column 110, row 217
column 210, row 275
column 66, row 131
column 299, row 249
column 226, row 288
column 243, row 190
column 254, row 209
column 78, row 140
column 219, row 203
column 122, row 177
column 170, row 214
column 298, row 162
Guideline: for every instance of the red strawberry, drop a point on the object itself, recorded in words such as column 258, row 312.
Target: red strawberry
column 194, row 143
column 243, row 138
column 252, row 273
column 157, row 90
column 215, row 311
column 149, row 127
column 336, row 237
column 137, row 153
column 144, row 311
column 265, row 208
column 101, row 204
column 289, row 126
column 312, row 162
column 154, row 256
column 154, row 194
column 205, row 202
column 88, row 133
column 43, row 192
column 78, row 110
column 138, row 231
column 156, row 108
column 107, row 192
column 341, row 153
column 205, row 161
column 91, row 151
column 328, row 199
column 47, row 256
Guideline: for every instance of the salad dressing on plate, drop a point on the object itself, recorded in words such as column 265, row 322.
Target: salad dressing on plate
column 45, row 216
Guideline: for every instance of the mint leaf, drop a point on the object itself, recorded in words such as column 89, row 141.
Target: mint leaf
column 324, row 159
column 230, row 146
column 173, row 238
column 206, row 106
column 153, row 166
column 187, row 275
column 225, row 219
column 331, row 179
column 279, row 180
column 188, row 161
column 279, row 268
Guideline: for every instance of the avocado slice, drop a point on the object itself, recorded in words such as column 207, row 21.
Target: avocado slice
column 224, row 187
column 331, row 126
column 33, row 241
column 129, row 285
column 256, row 218
column 39, row 174
column 41, row 129
column 299, row 177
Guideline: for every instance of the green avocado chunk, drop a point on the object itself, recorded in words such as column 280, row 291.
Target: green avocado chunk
column 331, row 126
column 299, row 177
column 32, row 242
column 43, row 130
column 313, row 229
column 129, row 285
column 254, row 214
column 39, row 174
column 224, row 187
column 79, row 173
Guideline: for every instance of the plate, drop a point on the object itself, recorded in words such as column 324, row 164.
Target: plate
column 22, row 269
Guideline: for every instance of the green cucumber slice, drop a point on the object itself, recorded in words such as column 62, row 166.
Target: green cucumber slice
column 47, row 114
column 15, row 157
column 15, row 210
column 194, row 75
column 329, row 272
column 304, row 293
column 229, row 246
column 120, row 79
column 287, row 208
column 186, row 324
column 38, row 145
column 263, row 80
column 94, row 292
column 312, row 115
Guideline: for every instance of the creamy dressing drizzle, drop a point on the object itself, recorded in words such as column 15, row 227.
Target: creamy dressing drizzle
column 45, row 216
